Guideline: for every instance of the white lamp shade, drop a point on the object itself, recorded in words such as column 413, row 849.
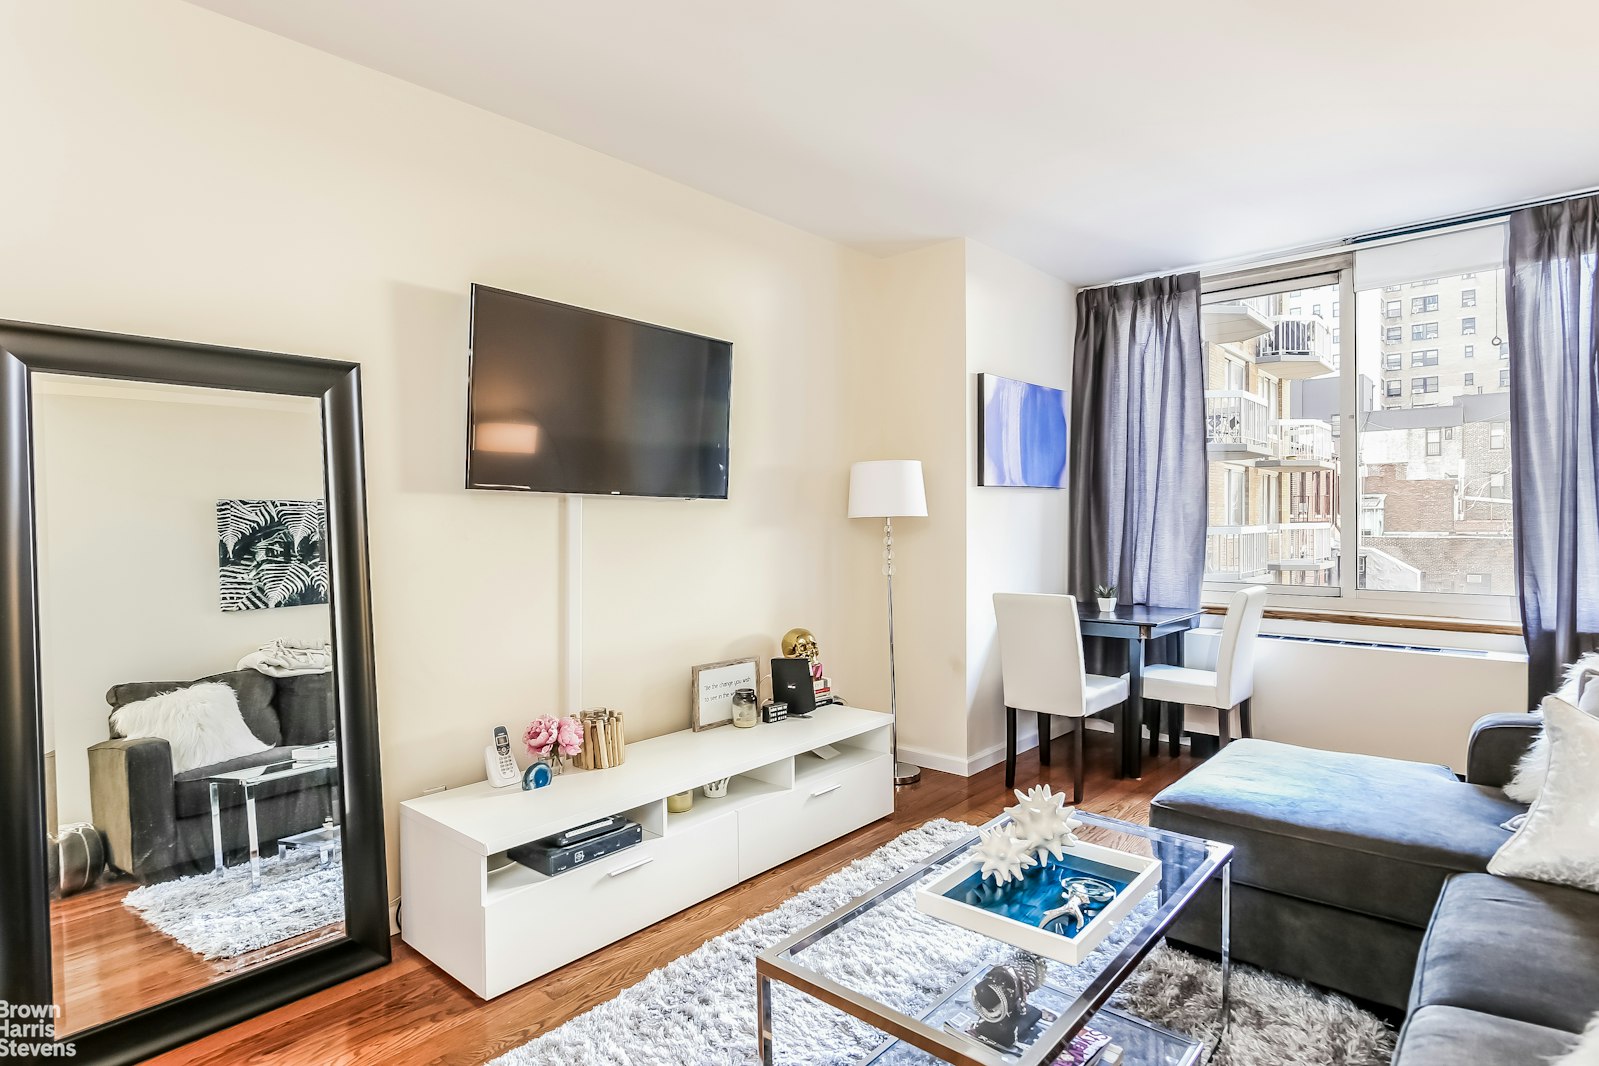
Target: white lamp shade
column 887, row 488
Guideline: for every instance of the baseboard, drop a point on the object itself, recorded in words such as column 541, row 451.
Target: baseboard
column 994, row 755
column 932, row 760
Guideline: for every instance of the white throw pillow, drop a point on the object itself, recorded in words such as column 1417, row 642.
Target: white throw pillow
column 1559, row 841
column 1586, row 1052
column 1527, row 780
column 202, row 723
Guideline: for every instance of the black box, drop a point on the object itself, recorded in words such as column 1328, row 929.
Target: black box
column 550, row 858
column 792, row 684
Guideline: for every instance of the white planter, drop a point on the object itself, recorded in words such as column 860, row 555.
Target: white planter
column 1106, row 605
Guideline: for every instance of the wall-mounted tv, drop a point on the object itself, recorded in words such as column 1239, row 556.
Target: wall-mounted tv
column 563, row 399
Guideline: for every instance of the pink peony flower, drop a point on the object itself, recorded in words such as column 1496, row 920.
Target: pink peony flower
column 569, row 735
column 541, row 736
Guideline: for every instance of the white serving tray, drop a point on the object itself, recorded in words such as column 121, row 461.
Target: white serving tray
column 1142, row 872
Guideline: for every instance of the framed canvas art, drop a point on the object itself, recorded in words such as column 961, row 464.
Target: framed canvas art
column 1021, row 429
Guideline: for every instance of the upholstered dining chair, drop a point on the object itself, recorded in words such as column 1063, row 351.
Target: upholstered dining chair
column 1041, row 663
column 1230, row 686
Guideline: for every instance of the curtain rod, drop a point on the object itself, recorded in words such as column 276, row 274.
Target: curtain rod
column 1414, row 229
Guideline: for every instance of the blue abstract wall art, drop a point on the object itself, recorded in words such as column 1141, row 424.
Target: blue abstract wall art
column 1023, row 432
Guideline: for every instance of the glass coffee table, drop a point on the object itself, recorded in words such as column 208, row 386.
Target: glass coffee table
column 251, row 779
column 909, row 976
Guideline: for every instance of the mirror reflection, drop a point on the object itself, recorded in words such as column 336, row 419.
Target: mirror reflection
column 189, row 720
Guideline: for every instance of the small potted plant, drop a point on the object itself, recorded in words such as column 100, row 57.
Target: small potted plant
column 1106, row 595
column 552, row 739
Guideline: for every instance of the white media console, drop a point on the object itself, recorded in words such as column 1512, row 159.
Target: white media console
column 493, row 924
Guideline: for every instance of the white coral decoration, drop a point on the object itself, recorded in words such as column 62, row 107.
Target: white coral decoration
column 1004, row 856
column 1042, row 819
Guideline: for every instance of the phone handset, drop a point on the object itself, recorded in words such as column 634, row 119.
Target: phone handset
column 499, row 762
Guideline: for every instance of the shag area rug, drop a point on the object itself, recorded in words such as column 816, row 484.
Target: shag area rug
column 699, row 1010
column 221, row 918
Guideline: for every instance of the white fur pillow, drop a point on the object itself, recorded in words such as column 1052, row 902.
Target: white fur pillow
column 202, row 723
column 1559, row 841
column 1527, row 781
column 1586, row 1051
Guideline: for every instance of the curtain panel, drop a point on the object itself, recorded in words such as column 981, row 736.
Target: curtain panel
column 1138, row 469
column 1554, row 430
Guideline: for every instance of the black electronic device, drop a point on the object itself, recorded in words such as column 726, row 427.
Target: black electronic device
column 578, row 834
column 550, row 858
column 774, row 711
column 793, row 684
column 563, row 399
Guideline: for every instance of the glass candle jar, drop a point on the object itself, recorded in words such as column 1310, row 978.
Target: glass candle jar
column 681, row 803
column 745, row 713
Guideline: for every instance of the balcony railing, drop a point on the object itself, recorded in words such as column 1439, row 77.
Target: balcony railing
column 1296, row 348
column 1301, row 547
column 1236, row 553
column 1237, row 425
column 1304, row 440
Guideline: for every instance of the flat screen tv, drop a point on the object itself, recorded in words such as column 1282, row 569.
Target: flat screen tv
column 562, row 399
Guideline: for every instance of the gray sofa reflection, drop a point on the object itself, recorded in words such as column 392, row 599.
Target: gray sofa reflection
column 157, row 824
column 1367, row 876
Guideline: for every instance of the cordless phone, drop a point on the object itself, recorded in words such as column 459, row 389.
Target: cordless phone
column 499, row 761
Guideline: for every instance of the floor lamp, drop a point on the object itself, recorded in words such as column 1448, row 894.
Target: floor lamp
column 890, row 489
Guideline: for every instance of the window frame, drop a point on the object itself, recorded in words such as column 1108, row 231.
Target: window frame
column 1346, row 597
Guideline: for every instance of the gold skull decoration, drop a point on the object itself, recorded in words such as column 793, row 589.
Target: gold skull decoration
column 801, row 644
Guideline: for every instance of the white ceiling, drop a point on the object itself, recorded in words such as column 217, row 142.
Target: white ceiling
column 1093, row 140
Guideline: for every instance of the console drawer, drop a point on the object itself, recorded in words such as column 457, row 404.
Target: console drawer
column 546, row 925
column 820, row 808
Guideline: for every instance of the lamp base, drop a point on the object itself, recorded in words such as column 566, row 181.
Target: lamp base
column 906, row 774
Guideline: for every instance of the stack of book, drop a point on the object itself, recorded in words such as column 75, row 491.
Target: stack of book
column 824, row 690
column 1090, row 1047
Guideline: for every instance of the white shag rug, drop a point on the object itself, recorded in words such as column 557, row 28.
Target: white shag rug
column 699, row 1010
column 220, row 918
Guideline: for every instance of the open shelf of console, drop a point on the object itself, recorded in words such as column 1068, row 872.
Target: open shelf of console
column 494, row 924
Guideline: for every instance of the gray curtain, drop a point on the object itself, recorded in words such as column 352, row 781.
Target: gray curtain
column 1138, row 469
column 1554, row 430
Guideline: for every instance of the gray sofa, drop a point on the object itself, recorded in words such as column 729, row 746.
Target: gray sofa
column 1367, row 876
column 157, row 824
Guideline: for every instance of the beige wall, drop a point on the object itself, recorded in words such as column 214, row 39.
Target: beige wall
column 127, row 482
column 190, row 177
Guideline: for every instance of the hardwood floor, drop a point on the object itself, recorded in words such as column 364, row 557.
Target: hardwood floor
column 411, row 1012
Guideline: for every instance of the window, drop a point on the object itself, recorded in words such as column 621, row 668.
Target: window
column 1315, row 309
column 1469, row 351
column 1420, row 386
column 1391, row 309
column 1393, row 334
column 1235, row 513
column 1468, row 297
column 1423, row 304
column 1336, row 338
column 1424, row 331
column 1296, row 312
column 1468, row 277
column 1504, row 379
column 1471, row 379
column 1393, row 361
column 1394, row 387
column 1424, row 357
column 1335, row 309
column 1496, row 436
column 1468, row 326
column 1392, row 288
column 1504, row 352
column 1497, row 486
column 1435, row 442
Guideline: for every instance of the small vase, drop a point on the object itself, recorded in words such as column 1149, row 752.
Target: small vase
column 1106, row 605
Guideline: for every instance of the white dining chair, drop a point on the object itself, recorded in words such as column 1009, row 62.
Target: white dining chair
column 1041, row 664
column 1230, row 686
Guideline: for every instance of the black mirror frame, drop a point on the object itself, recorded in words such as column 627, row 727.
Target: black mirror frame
column 25, row 957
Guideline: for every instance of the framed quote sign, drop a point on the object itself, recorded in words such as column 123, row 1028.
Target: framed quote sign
column 713, row 685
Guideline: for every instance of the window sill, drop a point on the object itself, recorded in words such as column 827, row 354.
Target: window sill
column 1389, row 621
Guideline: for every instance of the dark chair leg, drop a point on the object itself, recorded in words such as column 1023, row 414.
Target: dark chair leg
column 1174, row 728
column 1043, row 739
column 1079, row 727
column 1224, row 726
column 1152, row 723
column 1010, row 747
column 1246, row 720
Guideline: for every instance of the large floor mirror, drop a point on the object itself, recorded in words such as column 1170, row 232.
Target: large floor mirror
column 188, row 732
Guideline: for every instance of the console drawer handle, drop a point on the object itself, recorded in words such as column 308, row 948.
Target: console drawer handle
column 825, row 791
column 620, row 870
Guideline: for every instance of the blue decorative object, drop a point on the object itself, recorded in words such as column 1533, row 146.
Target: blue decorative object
column 1023, row 432
column 536, row 776
column 1036, row 897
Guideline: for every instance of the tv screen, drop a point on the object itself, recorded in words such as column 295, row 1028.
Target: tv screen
column 567, row 400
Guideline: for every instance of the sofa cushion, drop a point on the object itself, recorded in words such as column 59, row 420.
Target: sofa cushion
column 1520, row 949
column 255, row 691
column 1375, row 836
column 306, row 709
column 1450, row 1036
column 193, row 792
